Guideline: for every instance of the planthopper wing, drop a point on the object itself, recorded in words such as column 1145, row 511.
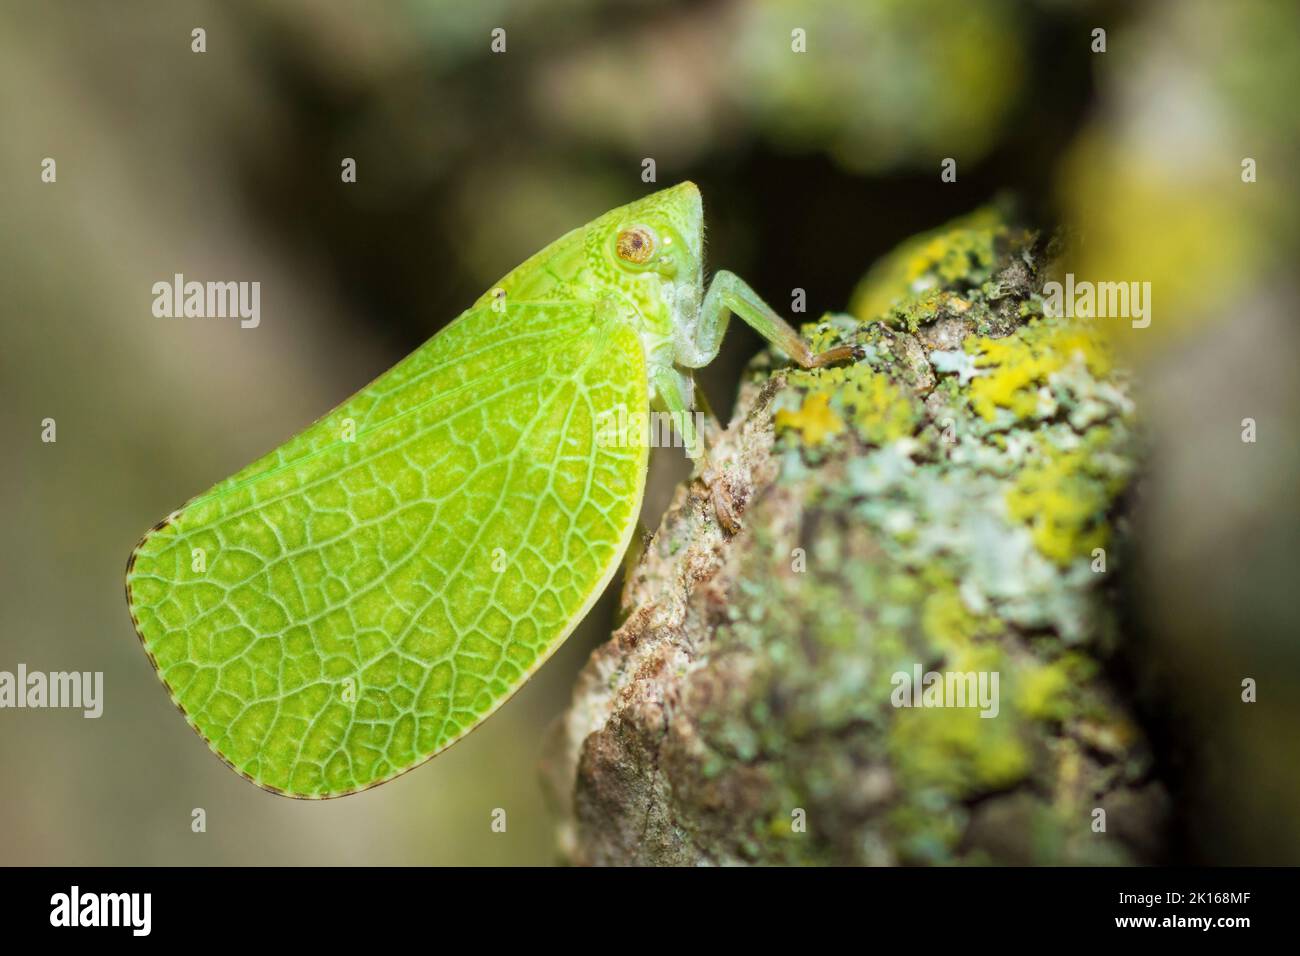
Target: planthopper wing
column 365, row 595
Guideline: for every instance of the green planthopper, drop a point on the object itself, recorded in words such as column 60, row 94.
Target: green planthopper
column 365, row 595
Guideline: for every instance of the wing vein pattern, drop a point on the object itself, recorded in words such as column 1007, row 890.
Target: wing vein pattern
column 354, row 602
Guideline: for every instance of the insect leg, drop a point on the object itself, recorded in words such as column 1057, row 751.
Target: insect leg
column 729, row 294
column 676, row 391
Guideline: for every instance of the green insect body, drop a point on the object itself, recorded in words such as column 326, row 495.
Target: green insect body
column 365, row 595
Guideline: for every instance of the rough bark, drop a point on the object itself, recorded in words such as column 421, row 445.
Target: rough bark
column 940, row 504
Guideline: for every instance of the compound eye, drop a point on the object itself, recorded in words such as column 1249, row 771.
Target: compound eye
column 635, row 245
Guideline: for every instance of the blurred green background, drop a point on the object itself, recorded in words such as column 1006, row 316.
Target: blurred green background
column 225, row 165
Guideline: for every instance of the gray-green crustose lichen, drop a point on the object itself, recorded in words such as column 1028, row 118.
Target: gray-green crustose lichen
column 948, row 501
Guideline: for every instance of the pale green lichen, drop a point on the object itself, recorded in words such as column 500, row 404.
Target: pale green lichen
column 974, row 531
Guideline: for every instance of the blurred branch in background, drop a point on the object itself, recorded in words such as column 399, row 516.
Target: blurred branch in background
column 1158, row 188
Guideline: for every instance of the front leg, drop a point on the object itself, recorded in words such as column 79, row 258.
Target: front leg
column 697, row 343
column 675, row 392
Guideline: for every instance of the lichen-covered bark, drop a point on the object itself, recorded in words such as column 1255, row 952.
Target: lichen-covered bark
column 951, row 502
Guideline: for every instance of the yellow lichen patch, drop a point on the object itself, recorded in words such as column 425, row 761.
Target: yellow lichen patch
column 1063, row 496
column 1044, row 691
column 958, row 749
column 815, row 420
column 882, row 412
column 953, row 746
column 946, row 620
column 937, row 259
column 1015, row 367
